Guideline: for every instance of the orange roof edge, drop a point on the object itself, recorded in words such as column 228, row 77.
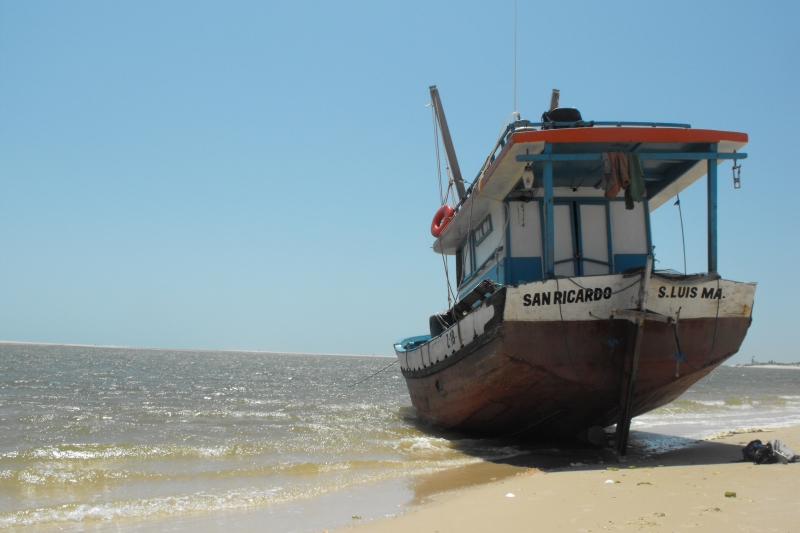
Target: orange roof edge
column 624, row 134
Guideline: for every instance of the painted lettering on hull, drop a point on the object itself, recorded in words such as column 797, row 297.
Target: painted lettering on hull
column 711, row 293
column 566, row 297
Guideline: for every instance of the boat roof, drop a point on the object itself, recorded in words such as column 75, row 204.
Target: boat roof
column 575, row 163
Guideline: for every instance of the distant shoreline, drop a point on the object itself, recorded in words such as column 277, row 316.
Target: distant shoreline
column 794, row 366
column 261, row 352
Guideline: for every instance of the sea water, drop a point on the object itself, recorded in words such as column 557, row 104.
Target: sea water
column 729, row 398
column 94, row 438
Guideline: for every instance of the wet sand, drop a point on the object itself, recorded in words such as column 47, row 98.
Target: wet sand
column 686, row 493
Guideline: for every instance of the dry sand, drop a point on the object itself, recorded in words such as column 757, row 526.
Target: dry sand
column 687, row 493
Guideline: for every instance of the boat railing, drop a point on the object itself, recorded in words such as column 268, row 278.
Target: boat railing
column 591, row 123
column 525, row 125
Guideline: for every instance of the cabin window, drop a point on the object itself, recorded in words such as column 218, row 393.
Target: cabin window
column 459, row 267
column 483, row 230
column 466, row 260
column 630, row 236
column 565, row 245
column 594, row 246
column 524, row 243
column 582, row 246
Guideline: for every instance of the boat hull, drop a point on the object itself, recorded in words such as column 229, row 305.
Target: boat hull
column 558, row 369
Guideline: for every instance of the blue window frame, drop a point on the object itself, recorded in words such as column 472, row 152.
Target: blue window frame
column 483, row 230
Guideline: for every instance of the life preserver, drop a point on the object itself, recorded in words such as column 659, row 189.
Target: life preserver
column 441, row 219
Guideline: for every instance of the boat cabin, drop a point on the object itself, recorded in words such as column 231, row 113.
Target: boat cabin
column 539, row 209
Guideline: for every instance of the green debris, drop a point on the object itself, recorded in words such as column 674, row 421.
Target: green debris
column 632, row 467
column 356, row 517
column 612, row 468
column 730, row 494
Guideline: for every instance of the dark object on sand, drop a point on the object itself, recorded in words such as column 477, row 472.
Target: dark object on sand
column 781, row 452
column 774, row 451
column 757, row 452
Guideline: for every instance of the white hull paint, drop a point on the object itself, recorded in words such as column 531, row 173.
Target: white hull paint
column 589, row 298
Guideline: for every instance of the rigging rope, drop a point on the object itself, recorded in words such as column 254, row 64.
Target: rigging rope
column 584, row 288
column 683, row 239
column 376, row 373
column 679, row 355
column 438, row 157
column 443, row 196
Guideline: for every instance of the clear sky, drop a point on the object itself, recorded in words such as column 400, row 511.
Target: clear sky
column 261, row 175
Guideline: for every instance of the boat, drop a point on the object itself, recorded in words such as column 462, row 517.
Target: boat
column 560, row 325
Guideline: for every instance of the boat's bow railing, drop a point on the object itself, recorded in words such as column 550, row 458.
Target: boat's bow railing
column 441, row 321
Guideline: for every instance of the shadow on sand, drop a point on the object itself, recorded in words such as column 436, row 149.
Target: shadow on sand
column 503, row 458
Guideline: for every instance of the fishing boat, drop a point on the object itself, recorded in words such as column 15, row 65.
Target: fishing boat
column 560, row 325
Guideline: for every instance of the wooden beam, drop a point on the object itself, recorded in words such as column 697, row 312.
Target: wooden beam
column 630, row 367
column 449, row 150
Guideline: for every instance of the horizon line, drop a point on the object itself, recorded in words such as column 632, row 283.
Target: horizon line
column 264, row 352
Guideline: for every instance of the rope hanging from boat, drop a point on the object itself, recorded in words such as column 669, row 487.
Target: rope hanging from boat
column 376, row 373
column 683, row 239
column 614, row 292
column 679, row 354
column 449, row 286
column 443, row 197
column 436, row 145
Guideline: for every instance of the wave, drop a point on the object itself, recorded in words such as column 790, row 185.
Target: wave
column 343, row 475
column 93, row 452
column 689, row 406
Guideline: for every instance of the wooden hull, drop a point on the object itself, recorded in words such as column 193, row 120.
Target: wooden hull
column 563, row 376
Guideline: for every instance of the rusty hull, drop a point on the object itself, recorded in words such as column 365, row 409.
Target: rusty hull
column 563, row 377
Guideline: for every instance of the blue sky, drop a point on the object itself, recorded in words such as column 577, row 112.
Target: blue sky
column 262, row 175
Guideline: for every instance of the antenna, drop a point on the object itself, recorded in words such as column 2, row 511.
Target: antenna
column 515, row 59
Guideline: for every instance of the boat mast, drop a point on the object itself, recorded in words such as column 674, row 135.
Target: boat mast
column 449, row 151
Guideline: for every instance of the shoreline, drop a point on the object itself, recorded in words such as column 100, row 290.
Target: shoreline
column 562, row 488
column 688, row 491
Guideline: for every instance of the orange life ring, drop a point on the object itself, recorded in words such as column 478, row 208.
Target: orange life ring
column 441, row 219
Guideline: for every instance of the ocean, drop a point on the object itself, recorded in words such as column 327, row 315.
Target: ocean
column 105, row 439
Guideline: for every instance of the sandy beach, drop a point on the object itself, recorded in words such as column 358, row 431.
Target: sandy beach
column 679, row 490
